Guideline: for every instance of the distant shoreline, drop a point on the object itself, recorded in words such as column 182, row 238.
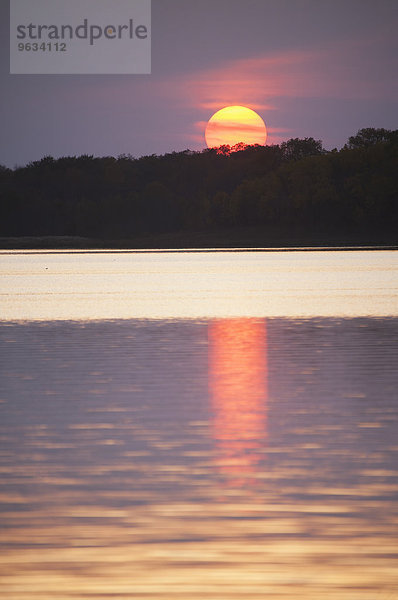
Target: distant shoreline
column 195, row 250
column 249, row 239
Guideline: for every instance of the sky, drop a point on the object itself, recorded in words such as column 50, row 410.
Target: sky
column 310, row 68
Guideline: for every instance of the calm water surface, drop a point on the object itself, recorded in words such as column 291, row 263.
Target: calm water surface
column 229, row 434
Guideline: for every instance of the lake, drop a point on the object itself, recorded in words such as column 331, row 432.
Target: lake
column 180, row 425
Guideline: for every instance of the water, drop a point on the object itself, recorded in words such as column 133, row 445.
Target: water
column 191, row 446
column 127, row 285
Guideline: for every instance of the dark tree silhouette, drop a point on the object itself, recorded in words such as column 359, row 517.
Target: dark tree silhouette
column 368, row 136
column 296, row 187
column 296, row 149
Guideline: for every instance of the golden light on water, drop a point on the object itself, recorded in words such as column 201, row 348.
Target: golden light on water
column 162, row 285
column 238, row 391
column 240, row 456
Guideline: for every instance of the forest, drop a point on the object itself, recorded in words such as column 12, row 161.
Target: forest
column 294, row 190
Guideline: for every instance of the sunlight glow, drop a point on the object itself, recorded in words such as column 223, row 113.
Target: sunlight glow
column 235, row 125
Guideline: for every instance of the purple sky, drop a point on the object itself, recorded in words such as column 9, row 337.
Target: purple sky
column 319, row 68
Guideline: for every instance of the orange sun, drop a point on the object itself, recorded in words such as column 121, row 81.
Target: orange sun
column 234, row 125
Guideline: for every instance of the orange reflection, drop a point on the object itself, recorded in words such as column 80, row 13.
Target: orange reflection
column 238, row 389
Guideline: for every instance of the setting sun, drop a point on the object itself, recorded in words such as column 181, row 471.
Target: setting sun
column 234, row 125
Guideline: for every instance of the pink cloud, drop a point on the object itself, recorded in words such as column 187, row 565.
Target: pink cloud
column 345, row 70
column 352, row 70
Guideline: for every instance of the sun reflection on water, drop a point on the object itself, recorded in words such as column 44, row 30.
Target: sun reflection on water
column 238, row 393
column 230, row 458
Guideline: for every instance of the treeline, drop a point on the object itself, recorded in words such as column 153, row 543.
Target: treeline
column 295, row 186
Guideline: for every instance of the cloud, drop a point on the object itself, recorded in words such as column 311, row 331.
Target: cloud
column 345, row 70
column 238, row 127
column 275, row 84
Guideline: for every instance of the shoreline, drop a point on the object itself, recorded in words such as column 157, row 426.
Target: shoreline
column 240, row 239
column 4, row 251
